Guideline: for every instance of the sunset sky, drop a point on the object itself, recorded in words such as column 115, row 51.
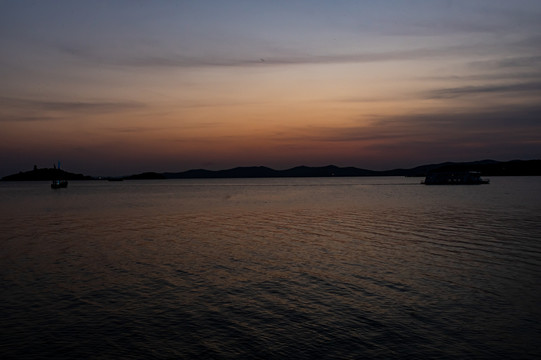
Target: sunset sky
column 121, row 87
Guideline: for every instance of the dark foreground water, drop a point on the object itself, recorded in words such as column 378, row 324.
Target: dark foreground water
column 347, row 268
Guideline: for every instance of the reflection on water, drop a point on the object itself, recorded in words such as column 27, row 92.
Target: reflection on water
column 271, row 268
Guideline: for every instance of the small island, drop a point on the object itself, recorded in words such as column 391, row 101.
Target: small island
column 45, row 174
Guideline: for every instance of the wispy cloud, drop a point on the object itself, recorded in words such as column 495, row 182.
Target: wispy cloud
column 526, row 87
column 461, row 126
column 23, row 118
column 70, row 106
column 282, row 57
column 498, row 76
column 502, row 132
column 508, row 62
column 498, row 118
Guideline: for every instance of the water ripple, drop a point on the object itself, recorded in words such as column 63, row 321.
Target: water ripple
column 273, row 271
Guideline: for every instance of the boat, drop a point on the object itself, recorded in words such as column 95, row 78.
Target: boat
column 455, row 178
column 58, row 184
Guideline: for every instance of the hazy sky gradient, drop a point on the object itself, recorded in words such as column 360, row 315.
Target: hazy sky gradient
column 119, row 87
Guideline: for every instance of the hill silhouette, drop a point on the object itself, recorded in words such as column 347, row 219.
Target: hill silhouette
column 486, row 167
column 45, row 174
column 264, row 172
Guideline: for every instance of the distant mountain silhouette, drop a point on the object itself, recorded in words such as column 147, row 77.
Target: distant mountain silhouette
column 145, row 176
column 263, row 172
column 486, row 167
column 238, row 172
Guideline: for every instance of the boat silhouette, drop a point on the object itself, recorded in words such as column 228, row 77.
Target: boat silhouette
column 59, row 183
column 455, row 178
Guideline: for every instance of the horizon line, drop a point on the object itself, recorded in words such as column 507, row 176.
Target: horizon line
column 484, row 161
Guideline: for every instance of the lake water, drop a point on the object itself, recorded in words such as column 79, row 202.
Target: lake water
column 328, row 268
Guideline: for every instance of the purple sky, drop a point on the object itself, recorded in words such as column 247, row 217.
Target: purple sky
column 120, row 87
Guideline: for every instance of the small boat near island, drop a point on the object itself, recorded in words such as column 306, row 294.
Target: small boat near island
column 59, row 184
column 455, row 178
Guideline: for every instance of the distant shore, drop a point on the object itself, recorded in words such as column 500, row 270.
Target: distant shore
column 485, row 167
